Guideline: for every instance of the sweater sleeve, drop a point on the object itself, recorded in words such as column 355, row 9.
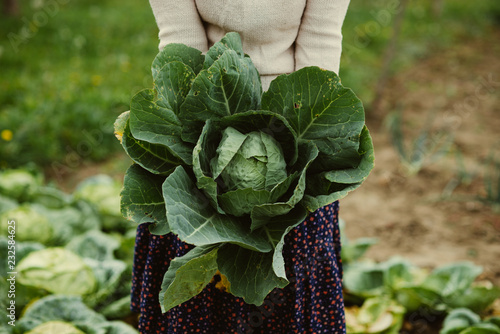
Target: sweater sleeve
column 319, row 40
column 179, row 22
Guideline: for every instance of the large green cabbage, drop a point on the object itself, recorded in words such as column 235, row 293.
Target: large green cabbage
column 232, row 170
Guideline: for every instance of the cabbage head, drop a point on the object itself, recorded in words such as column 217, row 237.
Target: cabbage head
column 230, row 169
column 253, row 160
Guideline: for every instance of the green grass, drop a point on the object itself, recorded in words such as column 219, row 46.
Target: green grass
column 61, row 90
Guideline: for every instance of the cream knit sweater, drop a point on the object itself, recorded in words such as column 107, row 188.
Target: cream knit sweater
column 280, row 36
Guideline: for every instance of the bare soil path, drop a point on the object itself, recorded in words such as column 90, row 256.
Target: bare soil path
column 409, row 214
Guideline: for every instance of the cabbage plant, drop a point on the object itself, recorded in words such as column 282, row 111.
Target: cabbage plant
column 230, row 169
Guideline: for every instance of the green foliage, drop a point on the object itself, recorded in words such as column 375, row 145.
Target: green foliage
column 238, row 168
column 353, row 250
column 492, row 182
column 376, row 315
column 388, row 290
column 427, row 147
column 463, row 175
column 182, row 280
column 464, row 321
column 445, row 288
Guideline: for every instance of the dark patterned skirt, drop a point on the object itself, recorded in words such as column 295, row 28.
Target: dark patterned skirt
column 311, row 303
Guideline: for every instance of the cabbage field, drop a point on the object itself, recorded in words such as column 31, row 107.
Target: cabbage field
column 73, row 256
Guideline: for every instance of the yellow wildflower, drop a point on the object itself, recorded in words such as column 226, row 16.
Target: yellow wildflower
column 7, row 135
column 96, row 80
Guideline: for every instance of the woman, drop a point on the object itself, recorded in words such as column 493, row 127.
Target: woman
column 280, row 36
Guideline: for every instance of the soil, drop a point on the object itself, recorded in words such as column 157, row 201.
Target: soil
column 435, row 217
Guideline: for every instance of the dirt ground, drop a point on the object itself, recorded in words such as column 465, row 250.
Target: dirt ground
column 424, row 217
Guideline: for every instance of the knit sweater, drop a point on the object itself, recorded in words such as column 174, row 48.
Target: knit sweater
column 280, row 36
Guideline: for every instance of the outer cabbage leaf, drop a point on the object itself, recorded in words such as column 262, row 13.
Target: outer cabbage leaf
column 6, row 203
column 117, row 327
column 231, row 41
column 50, row 226
column 250, row 273
column 453, row 283
column 230, row 85
column 68, row 309
column 371, row 279
column 50, row 197
column 119, row 126
column 155, row 158
column 321, row 110
column 361, row 171
column 193, row 219
column 108, row 275
column 117, row 309
column 178, row 52
column 56, row 270
column 187, row 276
column 19, row 184
column 482, row 328
column 94, row 245
column 55, row 326
column 376, row 315
column 240, row 202
column 22, row 249
column 458, row 320
column 477, row 298
column 153, row 114
column 452, row 279
column 317, row 106
column 142, row 199
column 327, row 187
column 203, row 152
column 153, row 117
column 69, row 221
column 413, row 297
column 103, row 192
column 35, row 226
column 277, row 231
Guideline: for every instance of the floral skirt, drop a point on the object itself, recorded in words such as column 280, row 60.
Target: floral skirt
column 311, row 303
